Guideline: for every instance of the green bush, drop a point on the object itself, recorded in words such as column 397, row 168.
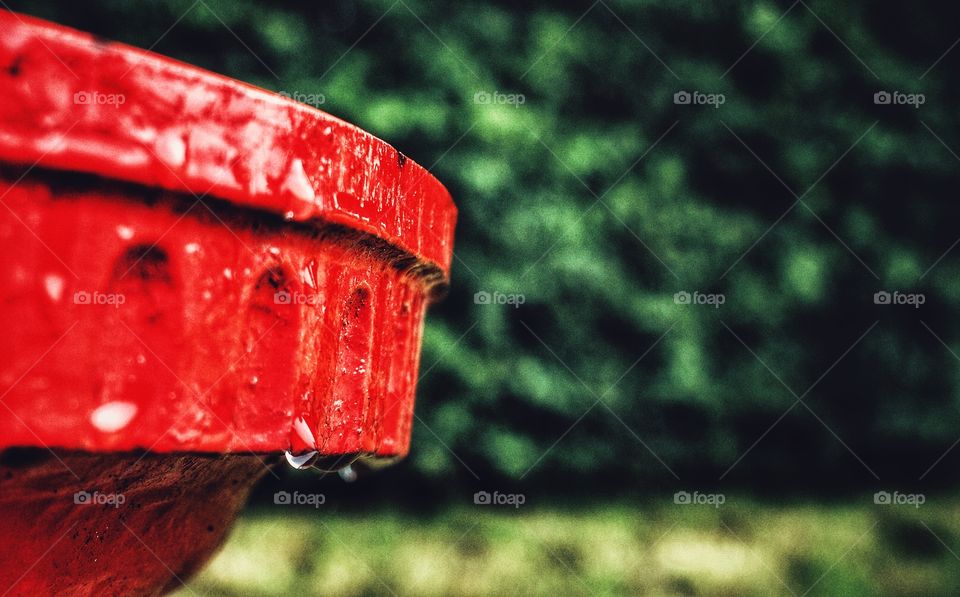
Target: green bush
column 598, row 198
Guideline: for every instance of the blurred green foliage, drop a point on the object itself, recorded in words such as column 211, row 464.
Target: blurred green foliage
column 598, row 198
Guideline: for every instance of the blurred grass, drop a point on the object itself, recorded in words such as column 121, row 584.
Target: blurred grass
column 745, row 547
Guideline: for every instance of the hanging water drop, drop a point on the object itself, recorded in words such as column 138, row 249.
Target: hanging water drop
column 302, row 461
column 301, row 436
column 348, row 473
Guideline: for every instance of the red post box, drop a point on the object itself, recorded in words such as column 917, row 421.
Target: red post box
column 198, row 276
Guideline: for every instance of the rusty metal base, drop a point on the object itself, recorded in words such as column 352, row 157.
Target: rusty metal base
column 115, row 524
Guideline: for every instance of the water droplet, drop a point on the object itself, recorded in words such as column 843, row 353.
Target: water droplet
column 228, row 273
column 301, row 461
column 297, row 183
column 274, row 251
column 306, row 275
column 141, row 359
column 113, row 416
column 125, row 232
column 54, row 285
column 171, row 149
column 348, row 473
column 191, row 248
column 301, row 436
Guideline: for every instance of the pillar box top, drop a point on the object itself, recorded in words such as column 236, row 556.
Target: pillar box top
column 154, row 121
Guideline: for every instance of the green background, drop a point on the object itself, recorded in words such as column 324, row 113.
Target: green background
column 597, row 199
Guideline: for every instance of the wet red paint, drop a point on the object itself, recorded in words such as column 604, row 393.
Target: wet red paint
column 284, row 311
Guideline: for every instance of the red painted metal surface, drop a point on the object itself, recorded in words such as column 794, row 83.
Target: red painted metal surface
column 191, row 265
column 204, row 353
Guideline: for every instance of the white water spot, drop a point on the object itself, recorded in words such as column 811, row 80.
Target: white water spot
column 171, row 149
column 228, row 273
column 301, row 461
column 297, row 182
column 54, row 285
column 274, row 251
column 125, row 232
column 113, row 416
column 306, row 276
column 191, row 248
column 303, row 431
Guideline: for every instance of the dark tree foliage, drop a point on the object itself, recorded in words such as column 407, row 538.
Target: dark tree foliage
column 588, row 193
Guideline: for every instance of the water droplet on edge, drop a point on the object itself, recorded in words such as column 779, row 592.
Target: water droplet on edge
column 302, row 461
column 348, row 474
column 301, row 436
